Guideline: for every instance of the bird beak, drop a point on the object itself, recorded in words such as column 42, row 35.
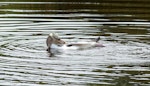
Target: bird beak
column 63, row 42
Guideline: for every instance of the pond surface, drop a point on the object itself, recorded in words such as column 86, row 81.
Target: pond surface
column 123, row 26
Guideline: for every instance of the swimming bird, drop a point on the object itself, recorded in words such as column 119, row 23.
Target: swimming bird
column 54, row 42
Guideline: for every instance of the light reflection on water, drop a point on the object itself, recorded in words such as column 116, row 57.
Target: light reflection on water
column 24, row 27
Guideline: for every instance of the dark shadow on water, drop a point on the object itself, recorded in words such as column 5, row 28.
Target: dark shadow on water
column 54, row 52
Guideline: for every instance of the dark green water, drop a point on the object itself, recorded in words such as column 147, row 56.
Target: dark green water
column 123, row 25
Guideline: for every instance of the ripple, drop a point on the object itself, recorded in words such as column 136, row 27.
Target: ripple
column 25, row 61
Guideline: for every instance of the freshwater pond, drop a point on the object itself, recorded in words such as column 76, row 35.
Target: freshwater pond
column 123, row 26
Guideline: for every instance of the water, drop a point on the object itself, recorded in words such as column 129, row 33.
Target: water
column 124, row 30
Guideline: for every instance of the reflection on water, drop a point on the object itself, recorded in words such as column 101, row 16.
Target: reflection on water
column 124, row 30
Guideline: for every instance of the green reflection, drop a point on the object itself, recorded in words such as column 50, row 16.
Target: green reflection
column 137, row 9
